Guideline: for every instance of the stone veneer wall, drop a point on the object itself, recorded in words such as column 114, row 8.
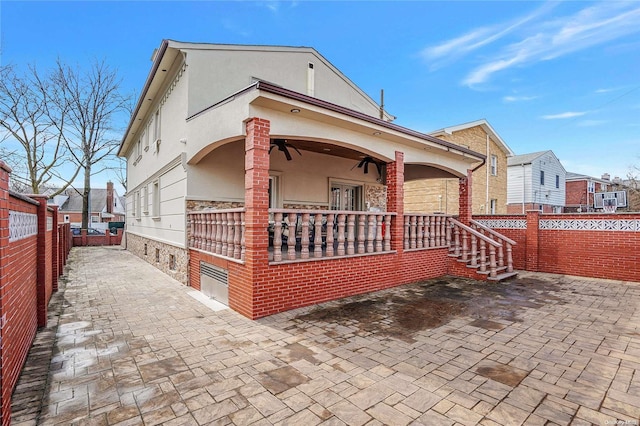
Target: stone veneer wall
column 197, row 205
column 135, row 244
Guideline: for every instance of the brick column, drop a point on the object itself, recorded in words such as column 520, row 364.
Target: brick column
column 395, row 200
column 242, row 295
column 465, row 199
column 41, row 283
column 532, row 240
column 55, row 251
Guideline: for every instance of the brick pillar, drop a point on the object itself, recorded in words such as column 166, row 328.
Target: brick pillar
column 5, row 394
column 532, row 240
column 465, row 201
column 41, row 282
column 395, row 200
column 55, row 251
column 242, row 295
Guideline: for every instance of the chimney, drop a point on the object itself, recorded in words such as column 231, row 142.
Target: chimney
column 617, row 180
column 606, row 176
column 109, row 197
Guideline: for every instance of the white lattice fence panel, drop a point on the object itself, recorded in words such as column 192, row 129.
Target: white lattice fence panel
column 22, row 225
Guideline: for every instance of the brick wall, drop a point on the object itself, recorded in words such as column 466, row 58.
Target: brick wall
column 590, row 245
column 107, row 239
column 32, row 253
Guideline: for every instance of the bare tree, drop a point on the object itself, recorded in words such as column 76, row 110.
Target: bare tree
column 34, row 148
column 93, row 102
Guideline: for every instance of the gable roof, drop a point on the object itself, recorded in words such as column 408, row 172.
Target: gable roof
column 518, row 160
column 98, row 200
column 578, row 176
column 485, row 126
column 169, row 50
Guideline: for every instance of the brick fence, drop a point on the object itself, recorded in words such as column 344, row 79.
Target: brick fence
column 33, row 252
column 588, row 245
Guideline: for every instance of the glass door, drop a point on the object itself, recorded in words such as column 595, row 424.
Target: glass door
column 345, row 197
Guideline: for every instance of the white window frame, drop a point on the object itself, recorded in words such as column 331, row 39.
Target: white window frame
column 155, row 208
column 145, row 199
column 145, row 138
column 275, row 181
column 591, row 187
column 137, row 205
column 494, row 165
column 156, row 127
column 493, row 205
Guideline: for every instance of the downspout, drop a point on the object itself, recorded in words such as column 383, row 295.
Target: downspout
column 486, row 202
column 484, row 161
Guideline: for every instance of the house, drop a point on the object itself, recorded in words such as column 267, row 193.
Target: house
column 264, row 177
column 535, row 181
column 105, row 206
column 489, row 180
column 581, row 192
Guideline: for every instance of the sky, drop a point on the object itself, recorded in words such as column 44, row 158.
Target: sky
column 546, row 75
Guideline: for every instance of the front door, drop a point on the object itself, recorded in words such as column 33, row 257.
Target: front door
column 345, row 196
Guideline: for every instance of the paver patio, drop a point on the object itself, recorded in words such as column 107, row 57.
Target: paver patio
column 128, row 345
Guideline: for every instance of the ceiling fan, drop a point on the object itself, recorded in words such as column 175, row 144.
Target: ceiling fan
column 283, row 146
column 365, row 163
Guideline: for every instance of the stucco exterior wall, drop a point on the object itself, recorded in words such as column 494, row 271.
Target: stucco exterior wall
column 216, row 74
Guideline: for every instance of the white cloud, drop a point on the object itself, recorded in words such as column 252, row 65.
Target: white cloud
column 518, row 98
column 540, row 39
column 563, row 115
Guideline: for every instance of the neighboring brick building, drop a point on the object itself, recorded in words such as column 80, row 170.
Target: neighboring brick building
column 489, row 181
column 105, row 205
column 581, row 190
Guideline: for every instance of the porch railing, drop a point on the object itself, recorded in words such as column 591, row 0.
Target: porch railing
column 218, row 231
column 470, row 246
column 305, row 234
column 504, row 259
column 423, row 231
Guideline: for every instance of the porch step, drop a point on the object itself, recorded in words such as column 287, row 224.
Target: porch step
column 503, row 276
column 498, row 269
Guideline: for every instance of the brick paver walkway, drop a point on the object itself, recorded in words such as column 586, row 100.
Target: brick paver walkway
column 131, row 346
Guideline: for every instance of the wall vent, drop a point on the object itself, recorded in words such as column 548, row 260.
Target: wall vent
column 214, row 282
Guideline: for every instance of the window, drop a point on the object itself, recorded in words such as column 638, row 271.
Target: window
column 145, row 199
column 603, row 187
column 66, row 218
column 157, row 255
column 155, row 209
column 145, row 138
column 138, row 206
column 345, row 196
column 542, row 177
column 591, row 187
column 138, row 151
column 494, row 204
column 145, row 249
column 95, row 219
column 156, row 127
column 494, row 165
column 172, row 262
column 557, row 181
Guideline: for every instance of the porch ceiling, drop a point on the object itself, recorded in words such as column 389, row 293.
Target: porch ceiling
column 327, row 149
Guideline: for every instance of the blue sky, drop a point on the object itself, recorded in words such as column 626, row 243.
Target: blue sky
column 547, row 75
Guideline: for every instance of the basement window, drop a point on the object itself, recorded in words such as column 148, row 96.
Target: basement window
column 172, row 262
column 157, row 255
